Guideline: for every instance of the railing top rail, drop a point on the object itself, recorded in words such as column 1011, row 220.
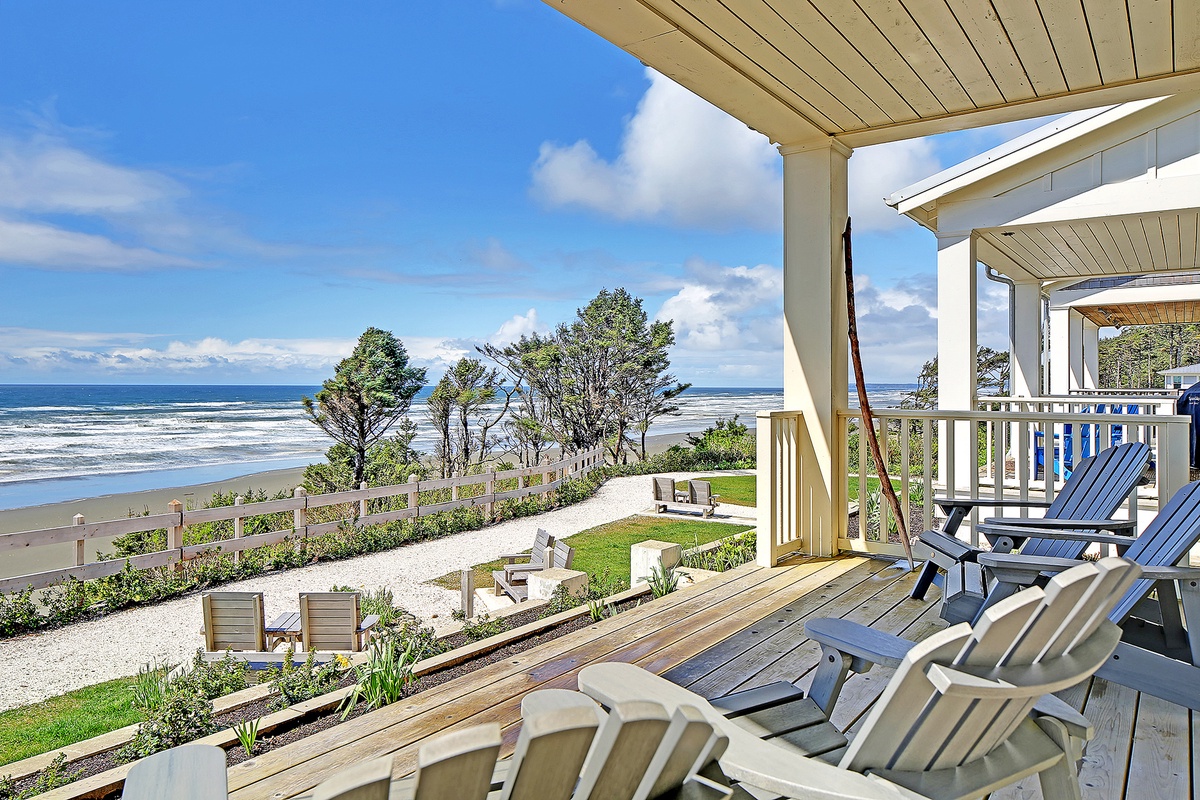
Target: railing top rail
column 1024, row 416
column 1077, row 398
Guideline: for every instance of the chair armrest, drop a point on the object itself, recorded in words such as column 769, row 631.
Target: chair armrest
column 1077, row 725
column 1064, row 524
column 511, row 557
column 1171, row 573
column 858, row 641
column 368, row 622
column 510, row 569
column 1023, row 570
column 947, row 503
column 1095, row 537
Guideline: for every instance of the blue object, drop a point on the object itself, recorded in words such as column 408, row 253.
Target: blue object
column 1188, row 404
column 1064, row 462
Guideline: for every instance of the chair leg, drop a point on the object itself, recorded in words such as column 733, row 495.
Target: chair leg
column 1062, row 779
column 829, row 678
column 924, row 580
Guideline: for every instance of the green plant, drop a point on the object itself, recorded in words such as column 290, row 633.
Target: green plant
column 482, row 627
column 52, row 777
column 151, row 686
column 296, row 684
column 247, row 733
column 183, row 717
column 662, row 580
column 384, row 679
column 916, row 493
column 730, row 553
column 598, row 610
column 212, row 679
column 561, row 600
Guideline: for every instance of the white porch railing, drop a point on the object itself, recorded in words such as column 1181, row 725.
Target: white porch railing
column 1010, row 454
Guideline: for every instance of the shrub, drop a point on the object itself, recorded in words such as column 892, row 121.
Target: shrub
column 52, row 777
column 561, row 600
column 730, row 553
column 482, row 627
column 183, row 717
column 212, row 679
column 18, row 613
column 296, row 684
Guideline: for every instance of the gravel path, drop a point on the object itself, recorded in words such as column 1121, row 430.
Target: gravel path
column 46, row 664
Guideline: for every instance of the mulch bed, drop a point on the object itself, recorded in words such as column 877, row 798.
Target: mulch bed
column 310, row 724
column 916, row 524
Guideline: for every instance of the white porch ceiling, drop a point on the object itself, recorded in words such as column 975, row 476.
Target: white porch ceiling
column 1136, row 243
column 879, row 70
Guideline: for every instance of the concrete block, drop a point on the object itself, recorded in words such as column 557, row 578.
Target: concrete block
column 543, row 583
column 644, row 557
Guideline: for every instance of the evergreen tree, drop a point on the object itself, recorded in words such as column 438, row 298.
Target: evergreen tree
column 991, row 378
column 1133, row 359
column 369, row 392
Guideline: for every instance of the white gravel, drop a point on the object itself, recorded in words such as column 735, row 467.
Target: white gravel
column 42, row 665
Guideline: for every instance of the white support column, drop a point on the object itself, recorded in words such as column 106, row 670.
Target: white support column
column 1091, row 354
column 1075, row 321
column 815, row 348
column 1026, row 347
column 957, row 303
column 1060, row 350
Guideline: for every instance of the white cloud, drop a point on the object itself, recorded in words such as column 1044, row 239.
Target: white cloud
column 41, row 245
column 681, row 160
column 875, row 172
column 520, row 325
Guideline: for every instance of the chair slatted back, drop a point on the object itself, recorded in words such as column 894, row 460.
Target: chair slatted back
column 700, row 492
column 664, row 489
column 1164, row 543
column 562, row 556
column 1095, row 490
column 541, row 543
column 557, row 731
column 329, row 620
column 233, row 621
column 923, row 723
column 458, row 765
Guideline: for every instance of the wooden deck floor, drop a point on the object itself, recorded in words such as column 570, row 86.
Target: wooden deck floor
column 741, row 630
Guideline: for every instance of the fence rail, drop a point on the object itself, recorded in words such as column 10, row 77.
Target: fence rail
column 178, row 519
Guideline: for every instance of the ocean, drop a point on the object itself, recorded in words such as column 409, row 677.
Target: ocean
column 61, row 443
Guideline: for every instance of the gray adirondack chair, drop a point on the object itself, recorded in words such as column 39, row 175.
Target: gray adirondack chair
column 334, row 621
column 233, row 621
column 513, row 578
column 665, row 493
column 567, row 748
column 700, row 494
column 1088, row 500
column 1157, row 654
column 561, row 556
column 955, row 720
column 187, row 772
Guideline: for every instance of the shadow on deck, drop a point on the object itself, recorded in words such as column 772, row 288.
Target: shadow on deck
column 741, row 630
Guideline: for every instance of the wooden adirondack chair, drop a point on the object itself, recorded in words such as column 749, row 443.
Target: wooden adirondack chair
column 187, row 772
column 1157, row 654
column 636, row 752
column 233, row 621
column 665, row 493
column 512, row 579
column 955, row 720
column 559, row 557
column 333, row 621
column 1089, row 499
column 700, row 494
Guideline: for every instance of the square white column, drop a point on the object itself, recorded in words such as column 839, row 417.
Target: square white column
column 957, row 364
column 1091, row 354
column 1025, row 357
column 815, row 347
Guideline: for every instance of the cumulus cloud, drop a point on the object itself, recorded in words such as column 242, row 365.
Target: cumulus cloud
column 42, row 245
column 520, row 325
column 681, row 160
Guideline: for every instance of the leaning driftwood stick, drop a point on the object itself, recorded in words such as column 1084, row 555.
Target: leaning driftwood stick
column 868, row 424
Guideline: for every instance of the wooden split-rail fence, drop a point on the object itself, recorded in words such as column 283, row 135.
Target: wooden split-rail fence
column 177, row 519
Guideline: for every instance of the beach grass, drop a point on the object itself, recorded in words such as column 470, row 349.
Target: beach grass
column 606, row 547
column 738, row 490
column 46, row 726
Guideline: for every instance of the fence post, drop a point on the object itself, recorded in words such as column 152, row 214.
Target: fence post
column 300, row 518
column 490, row 489
column 413, row 499
column 362, row 504
column 467, row 581
column 239, row 526
column 79, row 559
column 175, row 532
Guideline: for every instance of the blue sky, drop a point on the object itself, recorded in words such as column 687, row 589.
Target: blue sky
column 230, row 192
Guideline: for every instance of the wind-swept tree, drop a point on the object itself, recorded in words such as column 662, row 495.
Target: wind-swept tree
column 460, row 410
column 369, row 392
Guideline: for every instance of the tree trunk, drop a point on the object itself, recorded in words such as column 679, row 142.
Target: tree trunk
column 868, row 426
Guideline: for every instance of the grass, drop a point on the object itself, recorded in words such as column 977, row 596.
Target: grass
column 736, row 490
column 47, row 726
column 607, row 546
column 873, row 485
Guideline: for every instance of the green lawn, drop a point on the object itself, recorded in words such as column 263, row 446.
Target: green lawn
column 66, row 719
column 736, row 490
column 872, row 486
column 608, row 545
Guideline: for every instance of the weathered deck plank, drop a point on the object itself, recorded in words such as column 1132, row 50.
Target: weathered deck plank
column 740, row 630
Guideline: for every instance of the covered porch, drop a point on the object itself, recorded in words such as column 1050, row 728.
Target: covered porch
column 741, row 630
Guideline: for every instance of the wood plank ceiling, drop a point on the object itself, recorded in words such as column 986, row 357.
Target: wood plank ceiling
column 1136, row 244
column 1157, row 313
column 877, row 70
